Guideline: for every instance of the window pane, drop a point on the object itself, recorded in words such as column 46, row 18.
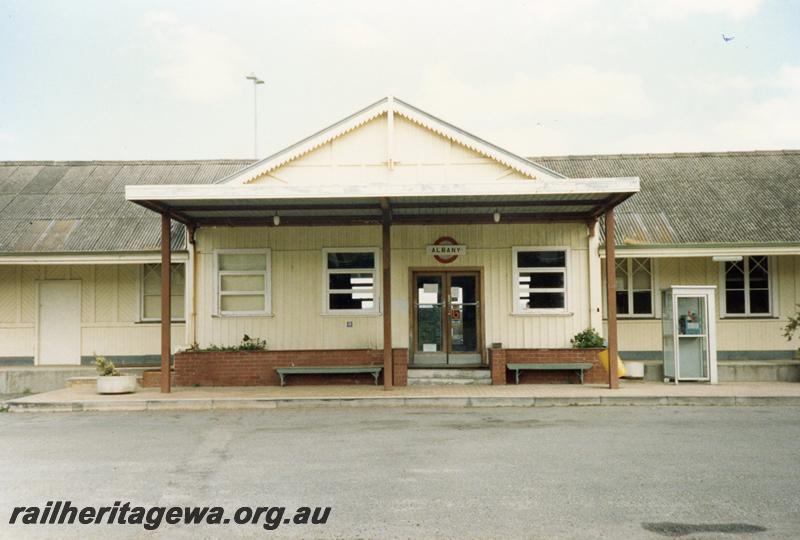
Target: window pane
column 734, row 275
column 151, row 284
column 734, row 301
column 429, row 328
column 539, row 259
column 151, row 279
column 642, row 303
column 351, row 260
column 243, row 261
column 151, row 291
column 544, row 280
column 242, row 303
column 151, row 307
column 350, row 281
column 541, row 300
column 759, row 301
column 622, row 274
column 622, row 303
column 176, row 276
column 463, row 289
column 176, row 306
column 641, row 277
column 622, row 283
column 429, row 289
column 358, row 300
column 759, row 276
column 243, row 283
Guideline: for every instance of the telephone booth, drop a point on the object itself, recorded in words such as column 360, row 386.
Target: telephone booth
column 688, row 315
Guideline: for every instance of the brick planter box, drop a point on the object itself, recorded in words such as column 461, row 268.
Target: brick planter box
column 151, row 378
column 257, row 368
column 500, row 357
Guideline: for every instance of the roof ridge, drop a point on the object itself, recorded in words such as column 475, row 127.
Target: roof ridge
column 667, row 155
column 221, row 161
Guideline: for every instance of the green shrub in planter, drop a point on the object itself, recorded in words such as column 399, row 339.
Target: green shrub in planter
column 105, row 367
column 588, row 339
column 248, row 344
column 110, row 380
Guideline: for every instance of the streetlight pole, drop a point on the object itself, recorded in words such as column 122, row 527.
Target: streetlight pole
column 256, row 82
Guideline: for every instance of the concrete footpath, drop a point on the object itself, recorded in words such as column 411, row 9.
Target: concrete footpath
column 84, row 398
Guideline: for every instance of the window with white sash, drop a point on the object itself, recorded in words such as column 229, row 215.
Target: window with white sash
column 747, row 289
column 242, row 281
column 351, row 280
column 150, row 289
column 540, row 280
column 634, row 287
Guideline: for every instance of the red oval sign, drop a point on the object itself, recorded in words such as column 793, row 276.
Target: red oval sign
column 446, row 241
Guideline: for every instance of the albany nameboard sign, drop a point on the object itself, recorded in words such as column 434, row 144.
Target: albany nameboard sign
column 446, row 249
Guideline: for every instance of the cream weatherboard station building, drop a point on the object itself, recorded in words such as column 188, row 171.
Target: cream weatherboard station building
column 393, row 238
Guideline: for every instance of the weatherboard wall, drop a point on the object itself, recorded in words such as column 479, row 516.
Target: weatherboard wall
column 734, row 334
column 109, row 311
column 298, row 322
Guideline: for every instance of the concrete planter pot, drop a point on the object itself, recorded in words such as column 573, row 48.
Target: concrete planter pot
column 119, row 384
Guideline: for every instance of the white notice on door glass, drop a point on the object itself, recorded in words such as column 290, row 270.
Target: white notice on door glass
column 429, row 347
column 430, row 288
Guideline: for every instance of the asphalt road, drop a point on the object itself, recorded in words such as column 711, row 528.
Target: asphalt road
column 593, row 472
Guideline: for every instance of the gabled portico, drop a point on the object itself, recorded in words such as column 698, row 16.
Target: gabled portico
column 393, row 166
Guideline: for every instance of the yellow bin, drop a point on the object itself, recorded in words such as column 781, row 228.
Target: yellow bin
column 620, row 365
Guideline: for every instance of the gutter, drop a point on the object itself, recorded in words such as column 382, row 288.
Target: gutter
column 704, row 250
column 91, row 258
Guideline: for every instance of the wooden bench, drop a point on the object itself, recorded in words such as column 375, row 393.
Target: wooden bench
column 580, row 367
column 375, row 371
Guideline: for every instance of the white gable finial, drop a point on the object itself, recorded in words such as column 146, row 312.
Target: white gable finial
column 390, row 132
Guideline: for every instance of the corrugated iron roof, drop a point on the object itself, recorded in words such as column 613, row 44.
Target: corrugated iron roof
column 76, row 207
column 701, row 198
column 689, row 198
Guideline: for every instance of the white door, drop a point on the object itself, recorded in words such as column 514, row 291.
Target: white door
column 59, row 329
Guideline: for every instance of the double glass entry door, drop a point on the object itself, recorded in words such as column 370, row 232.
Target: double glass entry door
column 447, row 319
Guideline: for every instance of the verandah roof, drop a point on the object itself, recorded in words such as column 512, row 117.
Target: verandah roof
column 242, row 205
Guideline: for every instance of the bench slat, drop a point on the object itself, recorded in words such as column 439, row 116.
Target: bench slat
column 578, row 366
column 563, row 365
column 326, row 370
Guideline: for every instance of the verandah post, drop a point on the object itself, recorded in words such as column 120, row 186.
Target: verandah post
column 166, row 314
column 388, row 371
column 611, row 299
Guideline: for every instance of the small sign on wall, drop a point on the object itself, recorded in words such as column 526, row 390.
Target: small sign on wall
column 446, row 249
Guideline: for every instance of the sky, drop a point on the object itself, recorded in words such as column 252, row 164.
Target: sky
column 83, row 80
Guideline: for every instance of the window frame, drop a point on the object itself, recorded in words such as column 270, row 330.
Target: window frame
column 377, row 309
column 629, row 265
column 515, row 307
column 142, row 317
column 267, row 273
column 771, row 290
